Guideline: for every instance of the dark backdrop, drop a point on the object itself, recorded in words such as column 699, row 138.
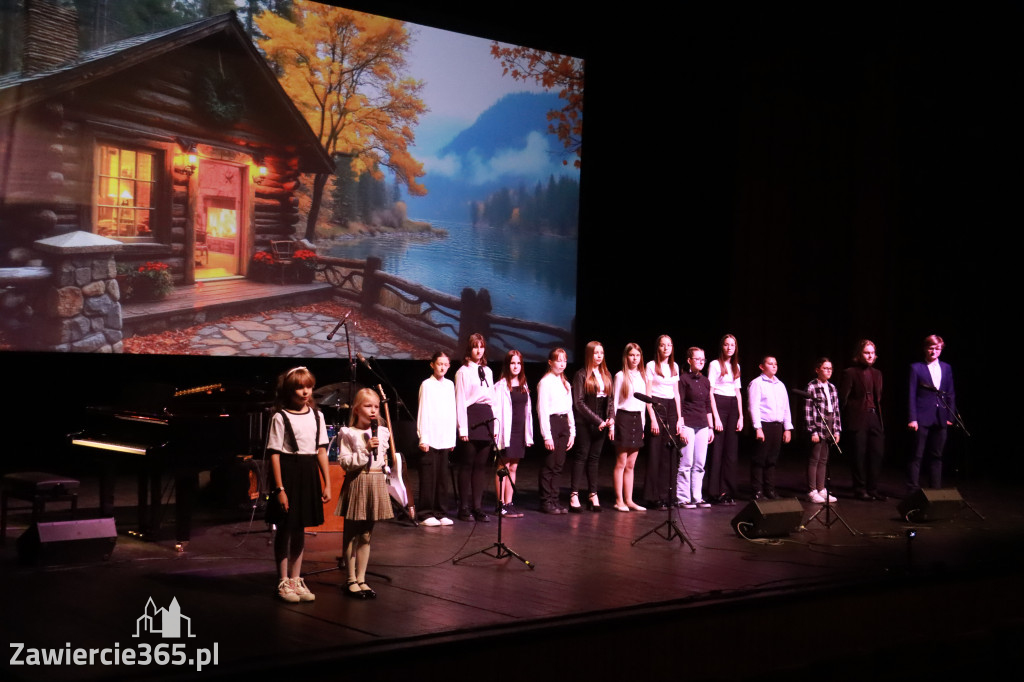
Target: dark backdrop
column 799, row 178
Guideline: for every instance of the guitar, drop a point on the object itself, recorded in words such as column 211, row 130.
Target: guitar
column 396, row 486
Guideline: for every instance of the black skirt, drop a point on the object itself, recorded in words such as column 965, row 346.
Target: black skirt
column 629, row 430
column 300, row 475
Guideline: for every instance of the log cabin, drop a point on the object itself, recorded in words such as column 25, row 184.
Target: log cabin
column 177, row 146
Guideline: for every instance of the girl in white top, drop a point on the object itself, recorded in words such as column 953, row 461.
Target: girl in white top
column 474, row 411
column 628, row 430
column 363, row 454
column 297, row 444
column 663, row 380
column 557, row 427
column 436, row 426
column 727, row 413
column 515, row 428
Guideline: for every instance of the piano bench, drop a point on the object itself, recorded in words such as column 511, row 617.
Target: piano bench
column 38, row 488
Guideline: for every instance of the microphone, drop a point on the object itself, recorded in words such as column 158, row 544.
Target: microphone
column 802, row 394
column 644, row 398
column 373, row 434
column 480, row 372
column 364, row 361
column 339, row 325
column 929, row 387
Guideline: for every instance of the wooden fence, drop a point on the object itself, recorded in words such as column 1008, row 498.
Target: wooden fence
column 435, row 317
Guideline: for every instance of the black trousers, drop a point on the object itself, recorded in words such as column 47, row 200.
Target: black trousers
column 555, row 459
column 473, row 456
column 724, row 450
column 929, row 442
column 660, row 475
column 868, row 450
column 433, row 483
column 586, row 456
column 766, row 457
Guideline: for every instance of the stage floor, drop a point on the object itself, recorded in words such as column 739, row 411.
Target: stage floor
column 875, row 602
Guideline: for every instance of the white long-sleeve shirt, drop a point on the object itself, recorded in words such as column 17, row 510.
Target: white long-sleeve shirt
column 630, row 404
column 769, row 402
column 469, row 391
column 553, row 397
column 435, row 417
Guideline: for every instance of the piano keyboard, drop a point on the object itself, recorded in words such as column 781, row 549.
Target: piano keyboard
column 113, row 446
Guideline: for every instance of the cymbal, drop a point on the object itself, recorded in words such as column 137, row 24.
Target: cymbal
column 335, row 395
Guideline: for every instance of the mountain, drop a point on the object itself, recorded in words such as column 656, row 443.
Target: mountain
column 508, row 145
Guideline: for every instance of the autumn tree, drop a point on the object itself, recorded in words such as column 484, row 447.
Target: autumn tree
column 552, row 71
column 345, row 71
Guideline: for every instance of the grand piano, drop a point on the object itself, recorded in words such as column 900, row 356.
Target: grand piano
column 163, row 434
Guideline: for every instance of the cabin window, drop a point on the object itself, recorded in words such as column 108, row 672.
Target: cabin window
column 125, row 193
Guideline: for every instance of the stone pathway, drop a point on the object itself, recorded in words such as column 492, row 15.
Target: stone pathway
column 299, row 332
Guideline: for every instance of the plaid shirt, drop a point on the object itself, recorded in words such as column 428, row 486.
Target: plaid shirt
column 812, row 418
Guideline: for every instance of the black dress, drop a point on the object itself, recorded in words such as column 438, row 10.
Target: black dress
column 517, row 434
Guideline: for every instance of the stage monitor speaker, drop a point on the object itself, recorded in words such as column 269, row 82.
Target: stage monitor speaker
column 68, row 542
column 931, row 504
column 768, row 518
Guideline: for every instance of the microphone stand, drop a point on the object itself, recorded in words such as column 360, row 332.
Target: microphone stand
column 828, row 521
column 671, row 528
column 500, row 549
column 958, row 421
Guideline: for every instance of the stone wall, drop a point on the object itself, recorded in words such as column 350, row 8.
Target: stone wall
column 81, row 309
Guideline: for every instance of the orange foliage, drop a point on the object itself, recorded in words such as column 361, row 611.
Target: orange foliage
column 345, row 71
column 551, row 70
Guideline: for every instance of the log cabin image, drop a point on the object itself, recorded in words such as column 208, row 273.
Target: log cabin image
column 170, row 167
column 176, row 148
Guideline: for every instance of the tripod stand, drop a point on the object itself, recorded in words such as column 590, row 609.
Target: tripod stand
column 831, row 516
column 500, row 549
column 667, row 529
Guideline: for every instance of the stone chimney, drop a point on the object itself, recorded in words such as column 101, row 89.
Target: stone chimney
column 51, row 35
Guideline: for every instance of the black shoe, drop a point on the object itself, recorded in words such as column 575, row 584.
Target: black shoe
column 511, row 512
column 659, row 505
column 771, row 494
column 548, row 508
column 863, row 496
column 480, row 517
column 356, row 593
column 465, row 515
column 729, row 501
column 758, row 495
column 878, row 496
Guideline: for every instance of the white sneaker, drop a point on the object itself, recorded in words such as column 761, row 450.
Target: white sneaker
column 430, row 521
column 299, row 588
column 445, row 521
column 703, row 504
column 823, row 493
column 286, row 592
column 815, row 497
column 689, row 505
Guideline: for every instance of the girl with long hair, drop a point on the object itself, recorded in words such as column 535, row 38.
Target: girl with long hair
column 474, row 411
column 627, row 431
column 515, row 428
column 727, row 413
column 663, row 380
column 554, row 411
column 591, row 387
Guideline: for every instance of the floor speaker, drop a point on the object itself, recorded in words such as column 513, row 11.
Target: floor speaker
column 931, row 504
column 68, row 542
column 768, row 518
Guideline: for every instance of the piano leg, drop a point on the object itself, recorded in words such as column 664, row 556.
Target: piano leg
column 186, row 484
column 107, row 478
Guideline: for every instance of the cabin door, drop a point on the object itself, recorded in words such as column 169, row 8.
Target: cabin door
column 218, row 220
